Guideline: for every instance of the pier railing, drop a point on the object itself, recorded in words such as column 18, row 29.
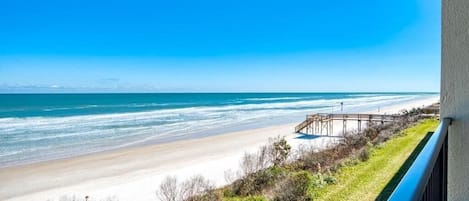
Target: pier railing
column 426, row 179
column 324, row 121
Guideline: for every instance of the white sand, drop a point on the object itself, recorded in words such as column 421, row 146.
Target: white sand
column 134, row 174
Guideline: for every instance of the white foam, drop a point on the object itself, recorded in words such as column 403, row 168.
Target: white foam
column 274, row 99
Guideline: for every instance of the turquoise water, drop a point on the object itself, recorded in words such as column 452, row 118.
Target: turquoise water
column 36, row 127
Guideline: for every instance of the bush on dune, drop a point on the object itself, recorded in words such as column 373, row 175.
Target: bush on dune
column 260, row 170
column 275, row 153
column 196, row 188
column 256, row 183
column 280, row 150
column 295, row 188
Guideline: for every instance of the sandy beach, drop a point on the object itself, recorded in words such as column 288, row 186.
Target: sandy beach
column 135, row 173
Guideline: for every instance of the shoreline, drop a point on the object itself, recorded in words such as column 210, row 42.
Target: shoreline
column 130, row 171
column 262, row 123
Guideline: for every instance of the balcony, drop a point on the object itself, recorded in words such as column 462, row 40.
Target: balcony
column 427, row 178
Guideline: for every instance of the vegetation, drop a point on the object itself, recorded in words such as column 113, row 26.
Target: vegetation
column 196, row 188
column 366, row 180
column 364, row 166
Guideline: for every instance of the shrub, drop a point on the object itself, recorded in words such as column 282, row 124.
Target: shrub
column 358, row 139
column 371, row 132
column 210, row 195
column 318, row 181
column 364, row 155
column 351, row 162
column 255, row 183
column 295, row 188
column 313, row 161
column 196, row 188
column 169, row 190
column 244, row 186
column 329, row 179
column 228, row 192
column 336, row 168
column 248, row 164
column 276, row 152
column 276, row 172
column 230, row 176
column 262, row 160
column 279, row 151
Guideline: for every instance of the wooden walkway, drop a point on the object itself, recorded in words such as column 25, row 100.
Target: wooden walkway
column 323, row 123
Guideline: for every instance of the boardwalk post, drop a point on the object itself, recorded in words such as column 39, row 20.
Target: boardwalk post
column 321, row 126
column 359, row 125
column 344, row 126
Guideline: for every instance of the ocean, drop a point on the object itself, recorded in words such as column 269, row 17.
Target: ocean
column 39, row 127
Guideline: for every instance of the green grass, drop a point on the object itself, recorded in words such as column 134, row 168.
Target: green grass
column 375, row 178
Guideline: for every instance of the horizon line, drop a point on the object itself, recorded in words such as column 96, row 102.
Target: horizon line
column 215, row 92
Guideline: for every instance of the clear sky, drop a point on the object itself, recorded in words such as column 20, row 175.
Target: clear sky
column 218, row 46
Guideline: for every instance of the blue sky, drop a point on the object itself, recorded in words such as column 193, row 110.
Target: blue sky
column 218, row 46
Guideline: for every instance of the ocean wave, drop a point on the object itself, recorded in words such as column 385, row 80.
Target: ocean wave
column 275, row 99
column 132, row 105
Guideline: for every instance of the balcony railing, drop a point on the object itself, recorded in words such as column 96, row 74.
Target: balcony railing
column 426, row 179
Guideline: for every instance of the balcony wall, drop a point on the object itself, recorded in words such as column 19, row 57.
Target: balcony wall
column 455, row 93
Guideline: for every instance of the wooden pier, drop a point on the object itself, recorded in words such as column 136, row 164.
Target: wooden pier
column 323, row 123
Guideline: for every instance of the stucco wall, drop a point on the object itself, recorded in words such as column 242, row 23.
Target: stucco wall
column 455, row 93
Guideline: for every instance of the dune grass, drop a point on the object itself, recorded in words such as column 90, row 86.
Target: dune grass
column 375, row 178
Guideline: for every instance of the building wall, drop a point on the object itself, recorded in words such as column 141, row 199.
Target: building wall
column 455, row 93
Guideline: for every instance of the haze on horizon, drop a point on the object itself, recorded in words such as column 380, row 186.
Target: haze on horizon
column 219, row 46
